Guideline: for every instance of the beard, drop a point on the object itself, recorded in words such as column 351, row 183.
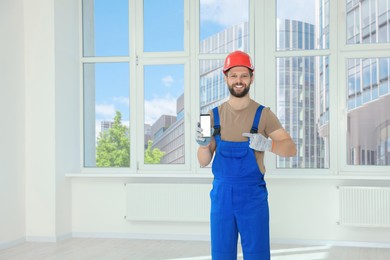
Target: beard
column 243, row 92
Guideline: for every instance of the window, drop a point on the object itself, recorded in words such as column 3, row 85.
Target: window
column 302, row 29
column 224, row 26
column 367, row 98
column 164, row 114
column 151, row 67
column 105, row 28
column 106, row 84
column 303, row 81
column 372, row 26
column 368, row 119
column 163, row 26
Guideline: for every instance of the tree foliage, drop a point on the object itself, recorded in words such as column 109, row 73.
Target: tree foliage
column 113, row 145
column 153, row 156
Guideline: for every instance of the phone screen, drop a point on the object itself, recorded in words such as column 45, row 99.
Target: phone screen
column 205, row 124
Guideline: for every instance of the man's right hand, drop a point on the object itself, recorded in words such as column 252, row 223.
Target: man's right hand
column 199, row 138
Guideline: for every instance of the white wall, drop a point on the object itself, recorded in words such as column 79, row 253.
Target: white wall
column 67, row 107
column 302, row 211
column 52, row 115
column 40, row 119
column 12, row 144
column 99, row 210
column 39, row 101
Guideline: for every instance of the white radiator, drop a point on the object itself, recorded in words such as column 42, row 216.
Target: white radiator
column 365, row 206
column 168, row 202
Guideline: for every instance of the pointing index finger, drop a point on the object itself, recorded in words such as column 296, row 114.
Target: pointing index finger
column 247, row 135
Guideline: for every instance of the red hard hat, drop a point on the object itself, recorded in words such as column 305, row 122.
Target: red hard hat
column 237, row 58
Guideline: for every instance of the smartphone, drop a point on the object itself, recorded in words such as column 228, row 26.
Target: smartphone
column 205, row 124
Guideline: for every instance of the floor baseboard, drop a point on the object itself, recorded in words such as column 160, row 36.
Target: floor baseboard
column 12, row 243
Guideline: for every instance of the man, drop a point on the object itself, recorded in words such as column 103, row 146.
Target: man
column 239, row 198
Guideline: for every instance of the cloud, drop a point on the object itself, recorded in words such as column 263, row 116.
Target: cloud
column 122, row 100
column 105, row 112
column 225, row 13
column 156, row 107
column 167, row 81
column 228, row 13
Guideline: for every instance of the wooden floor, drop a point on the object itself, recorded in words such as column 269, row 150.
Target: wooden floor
column 112, row 249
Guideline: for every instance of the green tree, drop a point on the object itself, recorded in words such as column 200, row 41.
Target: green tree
column 153, row 156
column 113, row 146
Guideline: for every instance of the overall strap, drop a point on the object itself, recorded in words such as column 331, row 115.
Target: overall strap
column 217, row 125
column 256, row 120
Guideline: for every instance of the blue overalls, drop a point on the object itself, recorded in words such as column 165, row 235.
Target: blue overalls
column 239, row 199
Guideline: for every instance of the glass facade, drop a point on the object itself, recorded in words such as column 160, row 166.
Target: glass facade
column 302, row 25
column 368, row 21
column 295, row 35
column 368, row 98
column 368, row 94
column 298, row 89
column 303, row 81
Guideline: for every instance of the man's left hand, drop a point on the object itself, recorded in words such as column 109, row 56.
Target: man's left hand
column 258, row 142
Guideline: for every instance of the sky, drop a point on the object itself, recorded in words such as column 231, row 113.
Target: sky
column 300, row 10
column 163, row 84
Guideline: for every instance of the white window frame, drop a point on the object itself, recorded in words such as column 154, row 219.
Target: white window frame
column 262, row 20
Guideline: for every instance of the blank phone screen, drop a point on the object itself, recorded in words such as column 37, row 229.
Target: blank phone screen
column 205, row 125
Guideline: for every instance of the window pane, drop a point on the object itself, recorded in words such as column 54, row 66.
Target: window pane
column 164, row 114
column 212, row 90
column 373, row 25
column 368, row 135
column 301, row 24
column 163, row 25
column 105, row 28
column 224, row 26
column 303, row 109
column 106, row 115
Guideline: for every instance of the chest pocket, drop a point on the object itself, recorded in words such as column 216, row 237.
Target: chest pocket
column 232, row 152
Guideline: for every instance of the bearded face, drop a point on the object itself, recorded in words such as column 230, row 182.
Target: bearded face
column 239, row 80
column 239, row 89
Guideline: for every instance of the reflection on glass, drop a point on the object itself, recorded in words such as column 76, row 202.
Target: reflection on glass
column 302, row 24
column 106, row 115
column 163, row 24
column 164, row 114
column 367, row 21
column 224, row 26
column 368, row 100
column 105, row 28
column 303, row 109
